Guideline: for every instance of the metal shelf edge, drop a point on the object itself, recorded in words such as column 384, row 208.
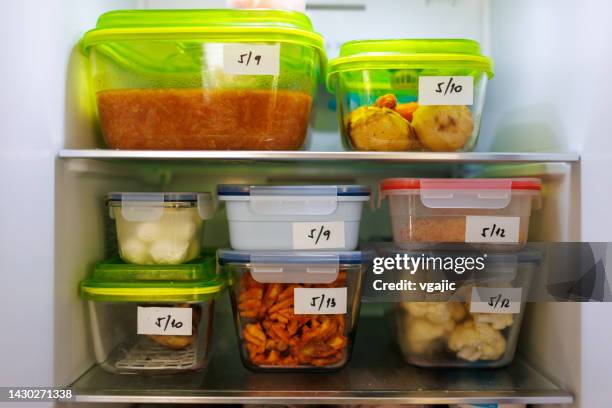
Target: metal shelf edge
column 431, row 157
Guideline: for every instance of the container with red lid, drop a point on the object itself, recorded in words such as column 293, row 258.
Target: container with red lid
column 485, row 213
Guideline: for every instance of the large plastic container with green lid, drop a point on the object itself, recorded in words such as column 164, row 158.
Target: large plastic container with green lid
column 204, row 79
column 152, row 319
column 410, row 95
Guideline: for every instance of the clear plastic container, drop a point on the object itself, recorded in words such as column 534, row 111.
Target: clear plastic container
column 160, row 228
column 295, row 311
column 277, row 218
column 478, row 325
column 410, row 95
column 484, row 213
column 204, row 79
column 152, row 319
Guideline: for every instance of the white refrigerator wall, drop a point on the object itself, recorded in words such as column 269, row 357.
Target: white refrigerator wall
column 551, row 91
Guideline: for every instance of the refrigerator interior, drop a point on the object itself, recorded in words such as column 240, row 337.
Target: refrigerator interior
column 534, row 103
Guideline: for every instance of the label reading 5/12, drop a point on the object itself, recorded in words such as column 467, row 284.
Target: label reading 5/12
column 496, row 300
column 318, row 235
column 482, row 229
column 327, row 301
column 251, row 59
column 446, row 90
column 164, row 321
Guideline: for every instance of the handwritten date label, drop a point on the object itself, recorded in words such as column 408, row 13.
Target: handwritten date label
column 479, row 229
column 251, row 59
column 327, row 301
column 446, row 90
column 318, row 235
column 496, row 300
column 164, row 321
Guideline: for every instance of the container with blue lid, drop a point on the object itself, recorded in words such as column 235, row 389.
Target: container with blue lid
column 160, row 228
column 295, row 310
column 286, row 218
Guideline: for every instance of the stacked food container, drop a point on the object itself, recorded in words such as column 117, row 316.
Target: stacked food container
column 297, row 277
column 204, row 79
column 485, row 221
column 152, row 309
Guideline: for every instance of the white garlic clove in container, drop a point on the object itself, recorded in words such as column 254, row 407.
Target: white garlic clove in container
column 183, row 230
column 134, row 251
column 148, row 231
column 169, row 252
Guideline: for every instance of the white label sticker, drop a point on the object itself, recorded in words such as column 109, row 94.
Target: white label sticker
column 165, row 321
column 251, row 59
column 326, row 301
column 492, row 229
column 496, row 300
column 446, row 90
column 318, row 235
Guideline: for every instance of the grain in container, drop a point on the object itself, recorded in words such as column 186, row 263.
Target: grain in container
column 483, row 213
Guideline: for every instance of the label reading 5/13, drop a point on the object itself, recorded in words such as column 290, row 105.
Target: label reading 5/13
column 164, row 321
column 481, row 229
column 446, row 90
column 251, row 59
column 496, row 300
column 318, row 235
column 326, row 301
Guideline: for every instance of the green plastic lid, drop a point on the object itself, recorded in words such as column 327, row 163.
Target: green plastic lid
column 225, row 25
column 116, row 281
column 416, row 54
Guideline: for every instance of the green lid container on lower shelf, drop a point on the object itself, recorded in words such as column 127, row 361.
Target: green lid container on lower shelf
column 116, row 281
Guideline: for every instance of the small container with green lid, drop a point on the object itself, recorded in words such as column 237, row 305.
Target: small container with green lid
column 204, row 79
column 410, row 95
column 152, row 319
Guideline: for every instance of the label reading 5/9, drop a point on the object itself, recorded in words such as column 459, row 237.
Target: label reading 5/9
column 446, row 90
column 251, row 59
column 318, row 235
column 326, row 301
column 164, row 321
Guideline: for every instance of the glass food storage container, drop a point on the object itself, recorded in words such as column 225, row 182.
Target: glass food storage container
column 204, row 79
column 295, row 310
column 478, row 324
column 410, row 95
column 279, row 218
column 160, row 228
column 152, row 319
column 483, row 213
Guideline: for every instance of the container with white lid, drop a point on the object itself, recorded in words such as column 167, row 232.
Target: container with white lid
column 160, row 228
column 282, row 218
column 484, row 213
column 295, row 310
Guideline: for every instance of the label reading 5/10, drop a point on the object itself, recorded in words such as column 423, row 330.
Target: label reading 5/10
column 446, row 90
column 251, row 59
column 164, row 321
column 326, row 301
column 482, row 229
column 318, row 235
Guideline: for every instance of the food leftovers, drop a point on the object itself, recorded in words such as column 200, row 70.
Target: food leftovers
column 201, row 119
column 391, row 126
column 274, row 335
